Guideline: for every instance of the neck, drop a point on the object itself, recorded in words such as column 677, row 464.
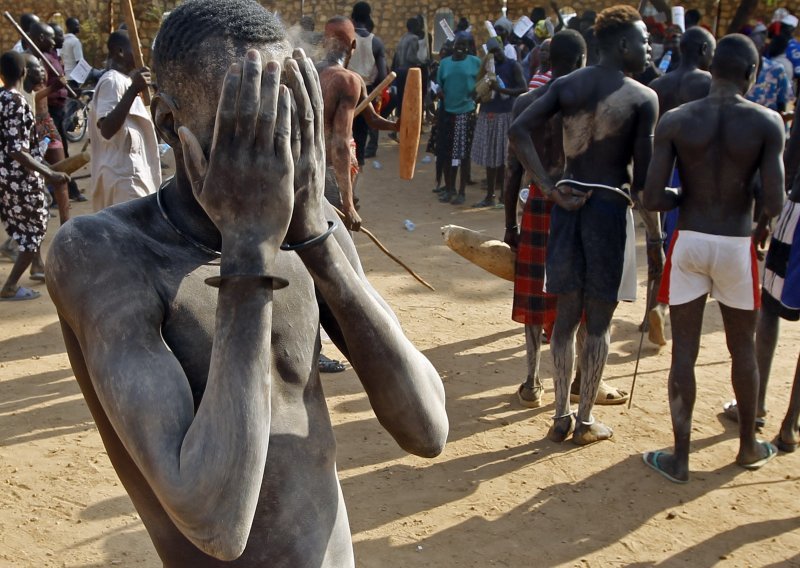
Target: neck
column 611, row 61
column 17, row 85
column 688, row 64
column 120, row 67
column 185, row 212
column 561, row 71
column 723, row 88
column 335, row 57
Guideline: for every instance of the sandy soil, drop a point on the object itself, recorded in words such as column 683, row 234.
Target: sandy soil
column 500, row 494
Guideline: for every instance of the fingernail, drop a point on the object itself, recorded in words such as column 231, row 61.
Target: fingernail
column 253, row 55
column 236, row 69
column 272, row 66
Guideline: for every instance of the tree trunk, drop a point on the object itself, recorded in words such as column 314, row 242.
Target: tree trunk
column 743, row 14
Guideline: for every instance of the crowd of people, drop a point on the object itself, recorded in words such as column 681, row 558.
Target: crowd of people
column 577, row 123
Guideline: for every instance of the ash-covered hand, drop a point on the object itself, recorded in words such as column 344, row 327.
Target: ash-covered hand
column 308, row 147
column 246, row 186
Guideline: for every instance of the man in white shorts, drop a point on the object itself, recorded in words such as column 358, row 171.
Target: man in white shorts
column 720, row 142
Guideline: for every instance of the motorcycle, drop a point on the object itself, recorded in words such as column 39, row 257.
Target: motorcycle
column 76, row 114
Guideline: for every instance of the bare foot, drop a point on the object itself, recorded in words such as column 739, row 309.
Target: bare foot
column 591, row 433
column 561, row 429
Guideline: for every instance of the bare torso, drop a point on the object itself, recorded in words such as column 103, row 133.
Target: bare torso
column 340, row 88
column 601, row 111
column 719, row 146
column 300, row 518
column 679, row 87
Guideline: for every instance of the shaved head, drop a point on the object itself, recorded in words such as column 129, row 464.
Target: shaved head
column 341, row 30
column 736, row 58
column 196, row 45
column 695, row 38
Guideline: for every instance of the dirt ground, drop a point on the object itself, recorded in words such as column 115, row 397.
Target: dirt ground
column 499, row 495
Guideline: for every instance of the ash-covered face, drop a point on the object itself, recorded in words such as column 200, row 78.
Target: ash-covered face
column 189, row 97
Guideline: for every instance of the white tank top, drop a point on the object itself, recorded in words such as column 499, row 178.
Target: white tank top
column 362, row 61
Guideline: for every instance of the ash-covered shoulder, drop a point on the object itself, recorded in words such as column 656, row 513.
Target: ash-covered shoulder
column 110, row 242
column 110, row 228
column 639, row 92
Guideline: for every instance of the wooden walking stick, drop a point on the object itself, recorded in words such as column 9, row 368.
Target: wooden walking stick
column 385, row 251
column 36, row 50
column 136, row 45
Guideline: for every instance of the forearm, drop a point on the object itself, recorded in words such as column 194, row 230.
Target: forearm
column 664, row 199
column 42, row 93
column 341, row 169
column 224, row 452
column 377, row 122
column 403, row 387
column 31, row 164
column 512, row 92
column 513, row 182
column 526, row 153
column 114, row 120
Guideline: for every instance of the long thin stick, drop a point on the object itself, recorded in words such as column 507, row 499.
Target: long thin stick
column 376, row 92
column 385, row 251
column 136, row 45
column 645, row 327
column 636, row 369
column 36, row 50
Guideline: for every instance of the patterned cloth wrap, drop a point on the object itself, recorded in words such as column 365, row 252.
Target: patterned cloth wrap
column 781, row 292
column 454, row 136
column 23, row 209
column 46, row 128
column 532, row 305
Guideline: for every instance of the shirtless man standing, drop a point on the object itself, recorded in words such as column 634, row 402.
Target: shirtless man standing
column 342, row 90
column 532, row 305
column 203, row 383
column 720, row 142
column 608, row 121
column 689, row 82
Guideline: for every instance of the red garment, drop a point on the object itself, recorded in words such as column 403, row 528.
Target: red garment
column 532, row 305
column 540, row 80
column 58, row 97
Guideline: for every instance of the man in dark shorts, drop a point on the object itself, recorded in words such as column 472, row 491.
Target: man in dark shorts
column 203, row 383
column 532, row 305
column 689, row 82
column 608, row 121
column 23, row 210
column 720, row 142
